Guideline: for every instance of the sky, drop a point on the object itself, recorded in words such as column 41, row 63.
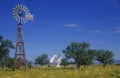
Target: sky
column 57, row 23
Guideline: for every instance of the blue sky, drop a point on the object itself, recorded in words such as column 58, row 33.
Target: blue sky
column 57, row 23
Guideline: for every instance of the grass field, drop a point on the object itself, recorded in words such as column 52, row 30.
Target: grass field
column 94, row 71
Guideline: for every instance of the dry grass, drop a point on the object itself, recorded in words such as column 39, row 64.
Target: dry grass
column 94, row 71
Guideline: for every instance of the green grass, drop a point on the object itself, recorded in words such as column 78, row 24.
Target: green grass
column 93, row 71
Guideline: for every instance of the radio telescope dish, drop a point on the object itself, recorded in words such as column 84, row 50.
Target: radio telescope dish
column 22, row 14
column 55, row 60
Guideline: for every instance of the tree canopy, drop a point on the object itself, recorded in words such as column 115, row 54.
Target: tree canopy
column 80, row 52
column 5, row 46
column 42, row 60
column 64, row 62
column 104, row 56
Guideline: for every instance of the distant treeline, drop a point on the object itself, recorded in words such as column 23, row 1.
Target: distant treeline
column 81, row 53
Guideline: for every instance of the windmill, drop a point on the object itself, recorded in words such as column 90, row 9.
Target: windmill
column 22, row 15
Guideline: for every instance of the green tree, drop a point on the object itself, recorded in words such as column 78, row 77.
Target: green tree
column 88, row 57
column 64, row 62
column 105, row 57
column 10, row 63
column 5, row 46
column 42, row 60
column 29, row 64
column 80, row 52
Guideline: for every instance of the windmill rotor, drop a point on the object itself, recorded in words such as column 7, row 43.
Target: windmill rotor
column 20, row 13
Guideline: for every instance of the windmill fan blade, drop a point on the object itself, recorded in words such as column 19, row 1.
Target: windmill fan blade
column 21, row 6
column 21, row 13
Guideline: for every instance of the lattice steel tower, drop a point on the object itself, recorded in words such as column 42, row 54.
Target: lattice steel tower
column 21, row 14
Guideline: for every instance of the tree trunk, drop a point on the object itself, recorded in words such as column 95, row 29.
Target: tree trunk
column 77, row 63
column 64, row 67
column 104, row 65
column 35, row 65
column 84, row 65
column 78, row 66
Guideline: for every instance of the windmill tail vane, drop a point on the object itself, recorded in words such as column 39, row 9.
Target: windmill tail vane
column 30, row 17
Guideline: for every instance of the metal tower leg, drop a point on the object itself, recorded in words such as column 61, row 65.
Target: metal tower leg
column 20, row 57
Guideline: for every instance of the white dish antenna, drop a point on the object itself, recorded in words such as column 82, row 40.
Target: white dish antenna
column 55, row 60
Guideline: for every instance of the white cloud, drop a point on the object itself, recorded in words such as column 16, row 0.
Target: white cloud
column 117, row 30
column 92, row 31
column 71, row 25
column 96, row 31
